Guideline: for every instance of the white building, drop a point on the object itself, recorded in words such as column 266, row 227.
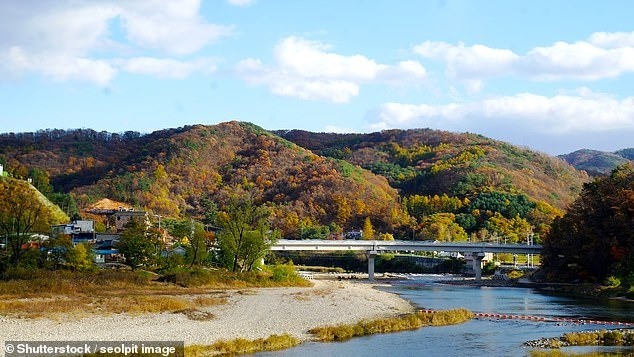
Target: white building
column 1, row 170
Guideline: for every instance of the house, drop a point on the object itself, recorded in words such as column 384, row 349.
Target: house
column 121, row 217
column 80, row 231
column 105, row 248
column 1, row 170
column 106, row 240
column 103, row 256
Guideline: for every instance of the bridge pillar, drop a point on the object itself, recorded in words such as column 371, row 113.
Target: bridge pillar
column 477, row 265
column 371, row 254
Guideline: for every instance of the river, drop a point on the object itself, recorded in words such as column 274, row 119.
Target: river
column 478, row 337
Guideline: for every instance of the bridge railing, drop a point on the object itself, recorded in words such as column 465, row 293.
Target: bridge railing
column 400, row 245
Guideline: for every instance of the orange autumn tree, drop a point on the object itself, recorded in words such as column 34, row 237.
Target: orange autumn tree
column 594, row 239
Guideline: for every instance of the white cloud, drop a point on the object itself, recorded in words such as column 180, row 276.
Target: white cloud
column 309, row 59
column 173, row 27
column 468, row 62
column 73, row 39
column 60, row 67
column 241, row 2
column 603, row 55
column 612, row 39
column 564, row 113
column 290, row 85
column 167, row 68
column 307, row 70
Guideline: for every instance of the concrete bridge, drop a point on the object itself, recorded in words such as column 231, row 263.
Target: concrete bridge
column 374, row 247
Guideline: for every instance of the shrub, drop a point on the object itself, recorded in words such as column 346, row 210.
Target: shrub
column 242, row 346
column 283, row 272
column 515, row 274
column 612, row 282
column 393, row 324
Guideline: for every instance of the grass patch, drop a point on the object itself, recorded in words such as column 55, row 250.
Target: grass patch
column 401, row 323
column 210, row 300
column 44, row 293
column 144, row 304
column 271, row 276
column 25, row 283
column 599, row 338
column 585, row 338
column 243, row 346
column 558, row 353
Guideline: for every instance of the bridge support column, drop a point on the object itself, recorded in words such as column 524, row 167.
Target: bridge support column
column 371, row 254
column 477, row 265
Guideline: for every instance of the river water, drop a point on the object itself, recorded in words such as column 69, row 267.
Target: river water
column 478, row 337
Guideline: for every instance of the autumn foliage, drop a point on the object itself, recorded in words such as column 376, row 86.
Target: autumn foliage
column 419, row 184
column 595, row 239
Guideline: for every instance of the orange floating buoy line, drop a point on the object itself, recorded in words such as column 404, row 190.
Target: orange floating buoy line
column 549, row 319
column 495, row 316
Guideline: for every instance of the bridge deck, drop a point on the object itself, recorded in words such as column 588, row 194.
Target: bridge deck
column 400, row 245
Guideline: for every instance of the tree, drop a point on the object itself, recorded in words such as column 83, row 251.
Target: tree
column 245, row 236
column 138, row 244
column 41, row 181
column 442, row 227
column 595, row 239
column 80, row 257
column 368, row 230
column 509, row 205
column 22, row 212
column 60, row 253
column 199, row 243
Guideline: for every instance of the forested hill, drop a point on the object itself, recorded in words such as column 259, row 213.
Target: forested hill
column 598, row 162
column 433, row 162
column 187, row 171
column 421, row 184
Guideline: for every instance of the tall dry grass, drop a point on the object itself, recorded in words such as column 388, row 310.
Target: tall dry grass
column 393, row 324
column 44, row 293
column 53, row 294
column 242, row 346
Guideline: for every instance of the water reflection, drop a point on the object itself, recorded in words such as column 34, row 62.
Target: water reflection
column 479, row 337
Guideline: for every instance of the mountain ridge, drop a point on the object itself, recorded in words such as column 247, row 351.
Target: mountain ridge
column 597, row 162
column 403, row 181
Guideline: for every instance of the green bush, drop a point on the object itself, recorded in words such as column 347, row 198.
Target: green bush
column 612, row 282
column 283, row 272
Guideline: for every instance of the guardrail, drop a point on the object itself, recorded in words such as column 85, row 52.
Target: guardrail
column 400, row 245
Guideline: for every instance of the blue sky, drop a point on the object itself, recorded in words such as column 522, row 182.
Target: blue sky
column 555, row 76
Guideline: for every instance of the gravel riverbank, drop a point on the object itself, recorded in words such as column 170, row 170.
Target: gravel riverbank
column 251, row 314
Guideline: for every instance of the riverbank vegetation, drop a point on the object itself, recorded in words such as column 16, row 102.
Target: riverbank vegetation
column 558, row 353
column 242, row 346
column 594, row 241
column 623, row 337
column 392, row 324
column 45, row 293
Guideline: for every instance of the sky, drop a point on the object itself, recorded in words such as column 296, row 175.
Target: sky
column 554, row 75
